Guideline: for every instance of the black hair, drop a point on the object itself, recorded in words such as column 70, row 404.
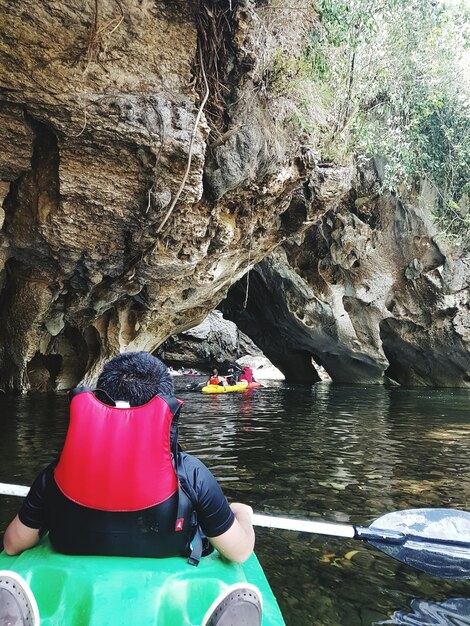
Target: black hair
column 135, row 377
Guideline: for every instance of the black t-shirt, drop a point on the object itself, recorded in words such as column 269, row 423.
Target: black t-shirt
column 213, row 512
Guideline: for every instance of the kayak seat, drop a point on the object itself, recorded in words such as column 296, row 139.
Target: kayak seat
column 238, row 605
column 18, row 605
column 63, row 594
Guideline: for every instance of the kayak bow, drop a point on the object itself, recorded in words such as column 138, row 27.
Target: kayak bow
column 98, row 590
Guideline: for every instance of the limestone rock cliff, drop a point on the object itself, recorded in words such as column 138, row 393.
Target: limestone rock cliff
column 365, row 292
column 131, row 202
column 148, row 163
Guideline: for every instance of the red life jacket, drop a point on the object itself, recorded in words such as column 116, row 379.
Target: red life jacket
column 115, row 488
column 117, row 459
column 215, row 380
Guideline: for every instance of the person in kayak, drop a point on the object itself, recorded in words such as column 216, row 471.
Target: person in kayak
column 247, row 374
column 133, row 513
column 231, row 376
column 215, row 379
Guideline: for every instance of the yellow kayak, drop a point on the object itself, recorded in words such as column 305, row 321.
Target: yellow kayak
column 240, row 386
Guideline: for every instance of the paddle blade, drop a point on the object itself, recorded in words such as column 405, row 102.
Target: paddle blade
column 437, row 541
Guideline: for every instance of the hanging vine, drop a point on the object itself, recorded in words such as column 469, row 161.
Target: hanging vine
column 190, row 152
column 98, row 32
column 250, row 248
column 215, row 25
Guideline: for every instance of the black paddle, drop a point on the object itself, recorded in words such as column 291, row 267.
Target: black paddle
column 195, row 386
column 435, row 541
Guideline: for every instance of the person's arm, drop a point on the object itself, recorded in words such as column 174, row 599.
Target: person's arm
column 19, row 537
column 27, row 527
column 237, row 543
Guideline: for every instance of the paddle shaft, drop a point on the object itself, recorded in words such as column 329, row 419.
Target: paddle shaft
column 305, row 526
column 13, row 490
column 328, row 528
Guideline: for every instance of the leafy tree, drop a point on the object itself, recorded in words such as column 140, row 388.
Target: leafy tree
column 395, row 78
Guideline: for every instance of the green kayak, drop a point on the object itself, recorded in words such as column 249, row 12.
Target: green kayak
column 105, row 591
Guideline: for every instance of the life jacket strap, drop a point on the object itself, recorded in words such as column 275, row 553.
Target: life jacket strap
column 200, row 546
column 196, row 548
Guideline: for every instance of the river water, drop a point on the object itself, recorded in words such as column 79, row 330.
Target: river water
column 344, row 454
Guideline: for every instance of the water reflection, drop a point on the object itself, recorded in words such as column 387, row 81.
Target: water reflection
column 340, row 453
column 454, row 612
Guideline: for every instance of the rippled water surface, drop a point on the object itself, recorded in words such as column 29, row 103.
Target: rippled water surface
column 339, row 453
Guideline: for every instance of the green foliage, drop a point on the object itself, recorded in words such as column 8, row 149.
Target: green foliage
column 282, row 70
column 395, row 79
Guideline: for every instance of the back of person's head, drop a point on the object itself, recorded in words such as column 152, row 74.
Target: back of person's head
column 135, row 377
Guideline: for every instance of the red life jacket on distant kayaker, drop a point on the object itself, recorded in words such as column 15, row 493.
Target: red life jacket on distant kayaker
column 116, row 488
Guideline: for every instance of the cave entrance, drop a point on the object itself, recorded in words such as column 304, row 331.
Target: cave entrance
column 43, row 370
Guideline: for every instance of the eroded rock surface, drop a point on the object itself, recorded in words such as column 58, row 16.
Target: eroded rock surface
column 365, row 292
column 128, row 207
column 213, row 342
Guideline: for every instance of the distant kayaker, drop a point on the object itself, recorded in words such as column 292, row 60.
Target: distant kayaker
column 231, row 376
column 247, row 374
column 122, row 485
column 215, row 379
